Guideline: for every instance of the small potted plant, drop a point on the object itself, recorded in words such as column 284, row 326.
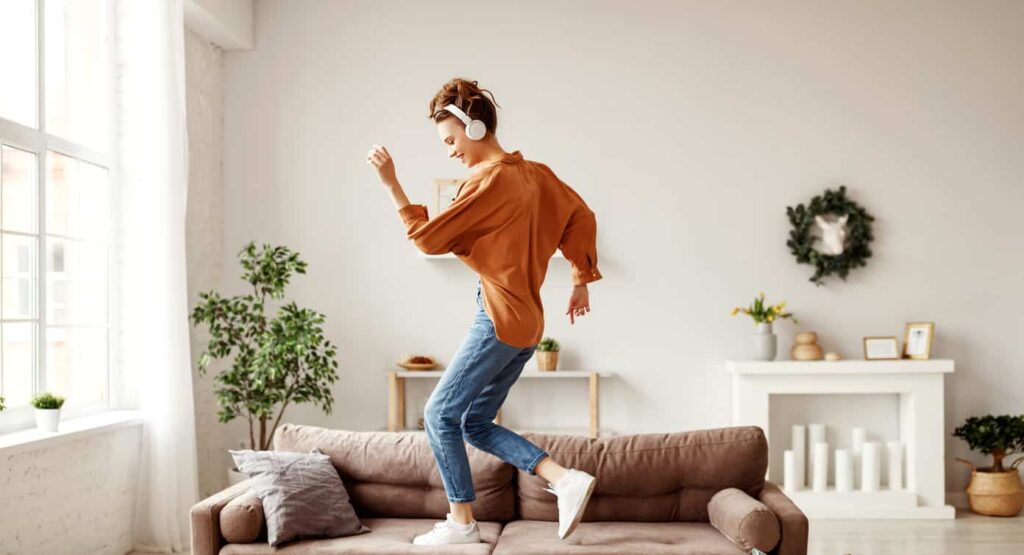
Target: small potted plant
column 765, row 342
column 994, row 490
column 2, row 407
column 547, row 354
column 47, row 411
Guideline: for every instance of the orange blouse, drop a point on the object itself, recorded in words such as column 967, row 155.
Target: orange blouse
column 505, row 223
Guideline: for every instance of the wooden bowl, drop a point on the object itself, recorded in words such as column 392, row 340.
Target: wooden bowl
column 420, row 366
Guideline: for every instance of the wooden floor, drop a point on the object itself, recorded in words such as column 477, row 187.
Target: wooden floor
column 968, row 534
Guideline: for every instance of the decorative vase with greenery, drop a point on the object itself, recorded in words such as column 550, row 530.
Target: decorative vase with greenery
column 277, row 360
column 47, row 411
column 547, row 354
column 764, row 315
column 994, row 490
column 2, row 407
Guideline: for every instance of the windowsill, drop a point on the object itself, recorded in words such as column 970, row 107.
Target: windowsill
column 69, row 430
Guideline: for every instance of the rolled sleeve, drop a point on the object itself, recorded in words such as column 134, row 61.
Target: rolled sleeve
column 579, row 245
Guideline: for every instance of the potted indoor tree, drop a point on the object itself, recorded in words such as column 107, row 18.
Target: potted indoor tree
column 547, row 354
column 994, row 490
column 278, row 360
column 47, row 411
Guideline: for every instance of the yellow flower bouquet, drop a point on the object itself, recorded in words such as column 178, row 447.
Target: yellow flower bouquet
column 762, row 312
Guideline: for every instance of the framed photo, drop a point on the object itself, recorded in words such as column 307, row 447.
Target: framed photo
column 445, row 191
column 881, row 348
column 917, row 340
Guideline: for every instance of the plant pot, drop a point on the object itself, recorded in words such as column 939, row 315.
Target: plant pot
column 547, row 361
column 995, row 493
column 765, row 342
column 235, row 476
column 47, row 419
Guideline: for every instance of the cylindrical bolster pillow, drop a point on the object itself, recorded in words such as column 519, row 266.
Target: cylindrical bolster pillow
column 744, row 520
column 241, row 520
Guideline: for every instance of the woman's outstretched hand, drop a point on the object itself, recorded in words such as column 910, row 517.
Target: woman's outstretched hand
column 579, row 303
column 380, row 158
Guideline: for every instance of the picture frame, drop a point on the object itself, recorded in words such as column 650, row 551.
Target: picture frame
column 917, row 340
column 881, row 348
column 445, row 191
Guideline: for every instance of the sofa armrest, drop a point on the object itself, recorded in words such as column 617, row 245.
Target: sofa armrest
column 205, row 519
column 792, row 521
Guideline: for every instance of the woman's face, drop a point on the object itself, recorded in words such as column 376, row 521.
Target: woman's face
column 461, row 147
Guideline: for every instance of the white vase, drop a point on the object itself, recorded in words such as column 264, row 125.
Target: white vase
column 47, row 419
column 765, row 342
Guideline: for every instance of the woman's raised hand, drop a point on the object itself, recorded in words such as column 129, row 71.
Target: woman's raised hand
column 380, row 158
column 579, row 303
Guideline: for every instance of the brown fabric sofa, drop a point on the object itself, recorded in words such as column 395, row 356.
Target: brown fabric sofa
column 651, row 497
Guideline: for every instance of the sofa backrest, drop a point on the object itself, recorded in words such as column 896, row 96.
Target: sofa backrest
column 654, row 477
column 391, row 474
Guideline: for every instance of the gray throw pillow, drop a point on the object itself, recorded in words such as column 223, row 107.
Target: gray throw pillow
column 302, row 495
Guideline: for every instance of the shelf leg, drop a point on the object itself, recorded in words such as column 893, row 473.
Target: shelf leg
column 593, row 404
column 497, row 418
column 396, row 402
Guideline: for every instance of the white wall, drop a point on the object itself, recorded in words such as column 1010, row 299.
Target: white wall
column 688, row 127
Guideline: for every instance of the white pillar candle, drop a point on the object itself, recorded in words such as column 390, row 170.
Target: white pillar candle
column 856, row 446
column 820, row 476
column 844, row 470
column 789, row 482
column 871, row 466
column 815, row 434
column 799, row 446
column 895, row 456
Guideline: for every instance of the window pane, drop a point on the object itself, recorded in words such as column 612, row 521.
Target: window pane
column 18, row 92
column 18, row 299
column 76, row 364
column 77, row 202
column 77, row 51
column 17, row 364
column 76, row 282
column 17, row 189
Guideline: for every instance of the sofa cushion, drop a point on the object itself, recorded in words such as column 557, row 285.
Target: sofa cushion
column 241, row 520
column 658, row 477
column 387, row 535
column 301, row 493
column 619, row 538
column 744, row 520
column 390, row 474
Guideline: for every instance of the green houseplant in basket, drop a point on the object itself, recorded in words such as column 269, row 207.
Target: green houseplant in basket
column 547, row 354
column 276, row 360
column 994, row 490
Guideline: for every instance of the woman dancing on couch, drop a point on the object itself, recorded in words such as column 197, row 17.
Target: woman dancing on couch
column 505, row 223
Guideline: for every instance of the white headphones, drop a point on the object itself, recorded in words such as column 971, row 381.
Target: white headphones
column 475, row 129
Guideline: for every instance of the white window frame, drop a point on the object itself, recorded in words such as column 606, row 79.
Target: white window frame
column 40, row 142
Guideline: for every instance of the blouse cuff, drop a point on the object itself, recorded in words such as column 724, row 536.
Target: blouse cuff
column 411, row 213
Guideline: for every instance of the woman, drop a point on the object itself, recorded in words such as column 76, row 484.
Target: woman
column 505, row 223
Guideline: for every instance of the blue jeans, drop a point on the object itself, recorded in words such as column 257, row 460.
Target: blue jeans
column 466, row 400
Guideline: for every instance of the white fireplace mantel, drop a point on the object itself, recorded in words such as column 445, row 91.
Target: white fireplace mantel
column 919, row 385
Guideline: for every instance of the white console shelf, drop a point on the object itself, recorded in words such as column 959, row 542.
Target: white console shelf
column 919, row 386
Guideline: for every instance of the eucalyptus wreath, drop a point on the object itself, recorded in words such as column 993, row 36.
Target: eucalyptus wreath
column 856, row 249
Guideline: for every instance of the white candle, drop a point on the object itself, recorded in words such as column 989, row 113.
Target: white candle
column 815, row 434
column 856, row 447
column 789, row 482
column 871, row 466
column 844, row 470
column 799, row 446
column 820, row 476
column 895, row 456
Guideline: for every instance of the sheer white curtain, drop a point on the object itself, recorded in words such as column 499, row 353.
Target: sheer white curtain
column 154, row 318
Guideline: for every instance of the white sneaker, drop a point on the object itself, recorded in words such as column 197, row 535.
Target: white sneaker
column 573, row 492
column 448, row 533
